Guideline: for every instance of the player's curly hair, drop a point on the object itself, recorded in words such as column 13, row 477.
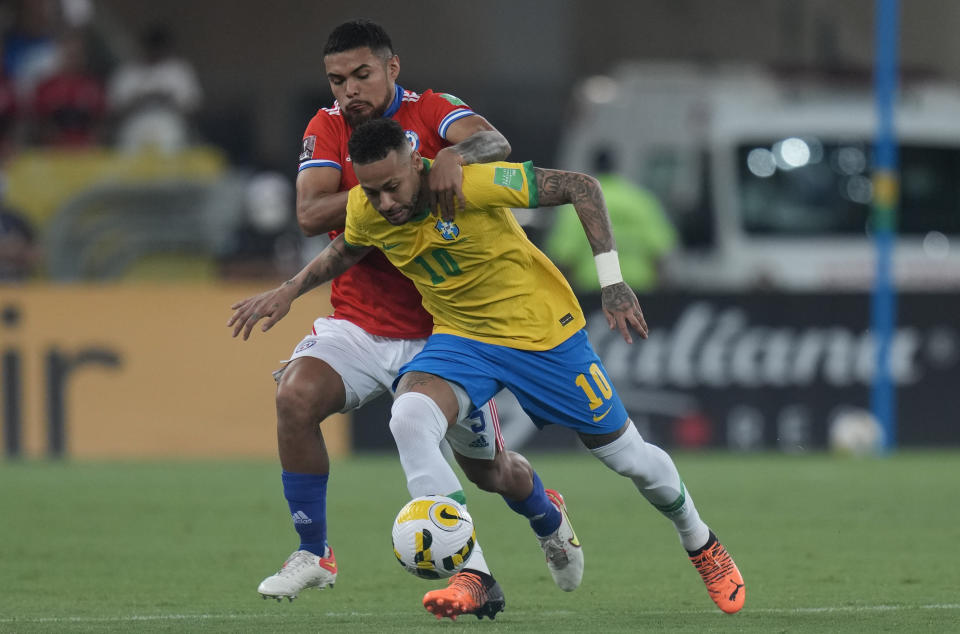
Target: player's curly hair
column 374, row 139
column 359, row 34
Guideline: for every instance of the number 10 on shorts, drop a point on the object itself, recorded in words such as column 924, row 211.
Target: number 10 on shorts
column 600, row 381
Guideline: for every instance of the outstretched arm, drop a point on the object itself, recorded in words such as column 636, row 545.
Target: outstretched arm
column 272, row 306
column 620, row 305
column 474, row 141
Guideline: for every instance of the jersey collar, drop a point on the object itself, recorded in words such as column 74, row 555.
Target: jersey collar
column 395, row 104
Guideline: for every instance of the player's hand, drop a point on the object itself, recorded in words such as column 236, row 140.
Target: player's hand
column 271, row 306
column 445, row 181
column 621, row 308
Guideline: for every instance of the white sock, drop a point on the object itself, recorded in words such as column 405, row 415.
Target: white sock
column 418, row 426
column 477, row 560
column 654, row 474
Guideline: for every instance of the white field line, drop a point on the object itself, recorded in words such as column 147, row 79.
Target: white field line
column 857, row 608
column 238, row 617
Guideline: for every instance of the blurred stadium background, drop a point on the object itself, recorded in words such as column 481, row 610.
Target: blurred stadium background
column 752, row 135
column 129, row 228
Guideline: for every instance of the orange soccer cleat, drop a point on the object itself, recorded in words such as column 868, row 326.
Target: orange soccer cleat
column 467, row 592
column 724, row 581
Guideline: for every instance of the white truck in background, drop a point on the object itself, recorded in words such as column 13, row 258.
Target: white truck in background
column 767, row 176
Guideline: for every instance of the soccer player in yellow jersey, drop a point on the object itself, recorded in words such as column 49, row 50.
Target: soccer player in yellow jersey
column 503, row 317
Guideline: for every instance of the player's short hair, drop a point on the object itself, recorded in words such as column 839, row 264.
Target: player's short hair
column 359, row 34
column 374, row 139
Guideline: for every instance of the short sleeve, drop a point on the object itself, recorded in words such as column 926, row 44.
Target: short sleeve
column 501, row 184
column 441, row 109
column 321, row 142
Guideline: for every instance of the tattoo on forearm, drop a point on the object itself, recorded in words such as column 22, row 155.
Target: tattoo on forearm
column 583, row 191
column 310, row 281
column 332, row 261
column 483, row 147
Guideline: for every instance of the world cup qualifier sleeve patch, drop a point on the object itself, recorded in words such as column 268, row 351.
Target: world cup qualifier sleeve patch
column 306, row 151
column 508, row 177
column 453, row 100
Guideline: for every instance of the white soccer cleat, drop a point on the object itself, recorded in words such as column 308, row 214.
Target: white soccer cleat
column 301, row 570
column 562, row 548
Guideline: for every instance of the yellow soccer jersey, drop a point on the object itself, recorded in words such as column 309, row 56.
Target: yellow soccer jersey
column 480, row 277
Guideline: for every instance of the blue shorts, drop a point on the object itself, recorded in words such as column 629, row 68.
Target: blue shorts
column 566, row 385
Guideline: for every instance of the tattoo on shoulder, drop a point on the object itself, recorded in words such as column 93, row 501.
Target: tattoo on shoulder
column 559, row 188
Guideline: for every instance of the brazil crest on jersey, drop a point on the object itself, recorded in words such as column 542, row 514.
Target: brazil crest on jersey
column 480, row 277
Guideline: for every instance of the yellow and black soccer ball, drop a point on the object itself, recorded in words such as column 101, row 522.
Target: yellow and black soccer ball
column 433, row 536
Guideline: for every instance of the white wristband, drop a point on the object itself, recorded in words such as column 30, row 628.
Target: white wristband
column 608, row 268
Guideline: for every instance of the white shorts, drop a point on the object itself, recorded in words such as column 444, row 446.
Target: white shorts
column 368, row 364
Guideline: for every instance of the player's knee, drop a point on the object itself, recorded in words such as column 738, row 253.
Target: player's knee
column 628, row 463
column 628, row 455
column 627, row 470
column 416, row 416
column 300, row 403
column 484, row 474
column 508, row 474
column 515, row 473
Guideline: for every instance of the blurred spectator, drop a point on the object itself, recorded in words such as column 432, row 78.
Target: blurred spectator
column 19, row 253
column 29, row 47
column 155, row 97
column 642, row 231
column 266, row 244
column 8, row 116
column 69, row 106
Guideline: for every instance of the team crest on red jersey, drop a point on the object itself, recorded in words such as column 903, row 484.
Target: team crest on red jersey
column 414, row 139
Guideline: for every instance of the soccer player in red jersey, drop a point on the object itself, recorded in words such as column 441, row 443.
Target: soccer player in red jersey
column 379, row 324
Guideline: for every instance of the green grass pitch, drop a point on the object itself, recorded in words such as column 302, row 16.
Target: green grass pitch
column 824, row 544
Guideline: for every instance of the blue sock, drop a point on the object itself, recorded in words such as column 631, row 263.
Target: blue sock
column 306, row 495
column 543, row 515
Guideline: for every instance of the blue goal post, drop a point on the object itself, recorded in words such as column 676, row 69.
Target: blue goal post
column 885, row 195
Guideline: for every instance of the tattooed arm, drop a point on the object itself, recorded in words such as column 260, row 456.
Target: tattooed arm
column 475, row 141
column 483, row 146
column 272, row 306
column 583, row 192
column 620, row 305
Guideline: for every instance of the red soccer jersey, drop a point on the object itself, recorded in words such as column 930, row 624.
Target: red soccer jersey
column 372, row 293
